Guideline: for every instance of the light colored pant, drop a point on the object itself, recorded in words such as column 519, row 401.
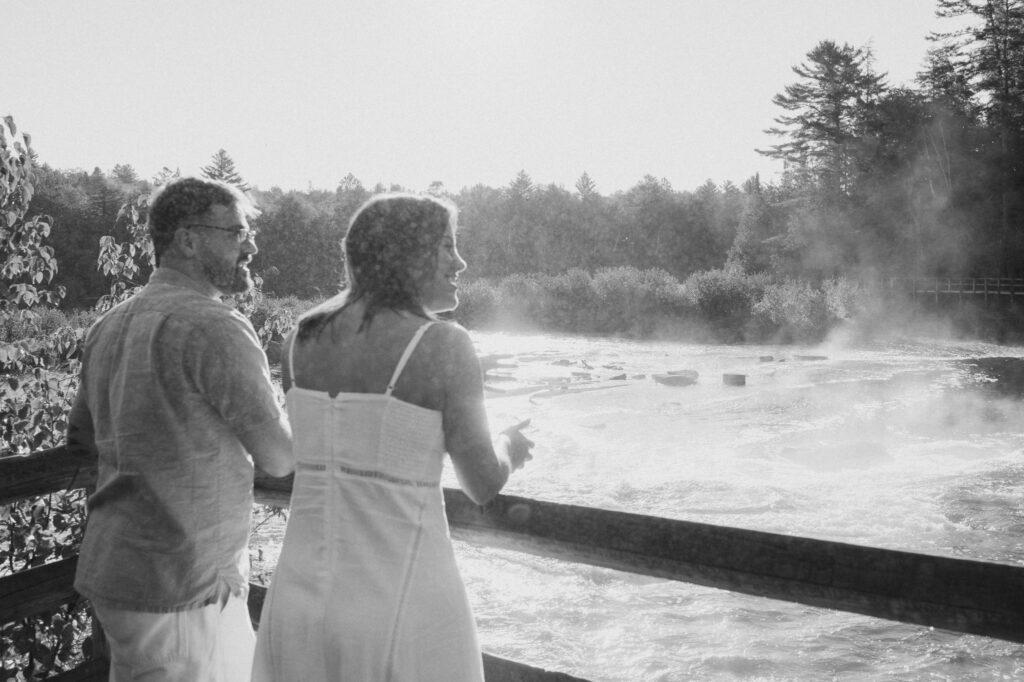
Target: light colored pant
column 210, row 644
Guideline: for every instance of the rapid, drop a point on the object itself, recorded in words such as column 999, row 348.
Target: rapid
column 902, row 445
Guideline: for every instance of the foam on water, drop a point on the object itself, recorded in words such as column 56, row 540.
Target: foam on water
column 895, row 446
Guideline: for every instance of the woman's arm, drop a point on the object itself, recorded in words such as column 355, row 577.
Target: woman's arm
column 482, row 465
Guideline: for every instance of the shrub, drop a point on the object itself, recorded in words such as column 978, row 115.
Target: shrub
column 846, row 299
column 570, row 301
column 634, row 301
column 20, row 325
column 273, row 318
column 478, row 304
column 521, row 302
column 725, row 300
column 791, row 311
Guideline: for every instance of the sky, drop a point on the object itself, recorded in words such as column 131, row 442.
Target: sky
column 465, row 92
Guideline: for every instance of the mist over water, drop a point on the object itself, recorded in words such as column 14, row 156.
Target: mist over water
column 901, row 445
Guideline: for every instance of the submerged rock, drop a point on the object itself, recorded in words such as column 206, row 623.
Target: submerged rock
column 679, row 377
column 734, row 379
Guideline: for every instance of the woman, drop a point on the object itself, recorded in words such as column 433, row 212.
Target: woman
column 378, row 390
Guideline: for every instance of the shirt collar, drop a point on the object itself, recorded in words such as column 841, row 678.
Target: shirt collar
column 176, row 278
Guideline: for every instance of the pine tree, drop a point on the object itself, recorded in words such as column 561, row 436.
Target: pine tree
column 829, row 107
column 223, row 168
column 585, row 186
column 125, row 173
column 988, row 55
column 520, row 187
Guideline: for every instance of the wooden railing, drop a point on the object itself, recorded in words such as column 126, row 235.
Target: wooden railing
column 960, row 595
column 957, row 286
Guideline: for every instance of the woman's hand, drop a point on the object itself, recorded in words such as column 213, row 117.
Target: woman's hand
column 518, row 445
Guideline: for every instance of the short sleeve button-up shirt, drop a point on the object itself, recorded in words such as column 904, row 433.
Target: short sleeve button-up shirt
column 170, row 378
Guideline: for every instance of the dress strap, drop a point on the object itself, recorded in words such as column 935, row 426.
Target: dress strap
column 406, row 355
column 291, row 356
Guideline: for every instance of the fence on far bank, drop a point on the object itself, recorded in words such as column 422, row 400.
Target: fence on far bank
column 957, row 288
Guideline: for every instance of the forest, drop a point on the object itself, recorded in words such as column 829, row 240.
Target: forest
column 879, row 181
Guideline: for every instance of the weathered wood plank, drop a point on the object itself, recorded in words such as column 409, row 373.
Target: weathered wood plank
column 496, row 669
column 976, row 597
column 37, row 590
column 503, row 670
column 45, row 588
column 43, row 472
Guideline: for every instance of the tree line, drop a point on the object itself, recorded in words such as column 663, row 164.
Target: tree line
column 878, row 180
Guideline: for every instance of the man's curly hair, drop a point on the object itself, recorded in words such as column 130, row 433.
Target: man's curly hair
column 188, row 199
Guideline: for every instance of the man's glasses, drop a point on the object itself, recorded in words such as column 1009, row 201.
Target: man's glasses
column 242, row 234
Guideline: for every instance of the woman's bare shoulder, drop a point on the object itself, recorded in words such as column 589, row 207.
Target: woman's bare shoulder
column 451, row 338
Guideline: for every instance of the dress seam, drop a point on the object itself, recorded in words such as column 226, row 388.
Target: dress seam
column 403, row 598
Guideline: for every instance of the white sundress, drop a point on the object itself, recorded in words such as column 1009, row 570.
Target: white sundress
column 366, row 587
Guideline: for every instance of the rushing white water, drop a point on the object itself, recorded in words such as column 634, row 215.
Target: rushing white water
column 897, row 445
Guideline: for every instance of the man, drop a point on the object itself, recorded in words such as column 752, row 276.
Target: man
column 175, row 396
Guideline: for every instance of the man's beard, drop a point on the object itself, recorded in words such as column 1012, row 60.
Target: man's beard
column 231, row 278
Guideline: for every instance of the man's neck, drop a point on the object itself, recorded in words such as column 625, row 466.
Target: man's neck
column 192, row 270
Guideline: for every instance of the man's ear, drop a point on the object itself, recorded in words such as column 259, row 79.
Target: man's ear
column 186, row 242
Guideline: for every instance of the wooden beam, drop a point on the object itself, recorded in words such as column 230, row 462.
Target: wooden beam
column 503, row 670
column 46, row 588
column 496, row 669
column 976, row 597
column 38, row 590
column 43, row 472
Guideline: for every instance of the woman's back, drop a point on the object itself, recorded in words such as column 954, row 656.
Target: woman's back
column 343, row 359
column 348, row 414
column 367, row 586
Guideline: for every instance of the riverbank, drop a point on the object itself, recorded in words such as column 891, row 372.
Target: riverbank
column 715, row 307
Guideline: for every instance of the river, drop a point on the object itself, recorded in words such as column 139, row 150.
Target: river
column 900, row 444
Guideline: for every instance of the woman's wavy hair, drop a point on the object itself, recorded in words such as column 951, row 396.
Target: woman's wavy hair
column 391, row 244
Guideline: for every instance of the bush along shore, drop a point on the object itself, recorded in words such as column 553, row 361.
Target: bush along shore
column 723, row 306
column 716, row 306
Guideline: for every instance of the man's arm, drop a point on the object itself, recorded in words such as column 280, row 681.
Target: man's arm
column 271, row 447
column 231, row 371
column 81, row 436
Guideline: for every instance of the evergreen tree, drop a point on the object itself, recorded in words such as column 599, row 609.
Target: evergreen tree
column 989, row 55
column 520, row 187
column 585, row 186
column 125, row 173
column 223, row 168
column 349, row 196
column 828, row 108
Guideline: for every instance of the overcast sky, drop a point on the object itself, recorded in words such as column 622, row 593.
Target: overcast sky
column 302, row 92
